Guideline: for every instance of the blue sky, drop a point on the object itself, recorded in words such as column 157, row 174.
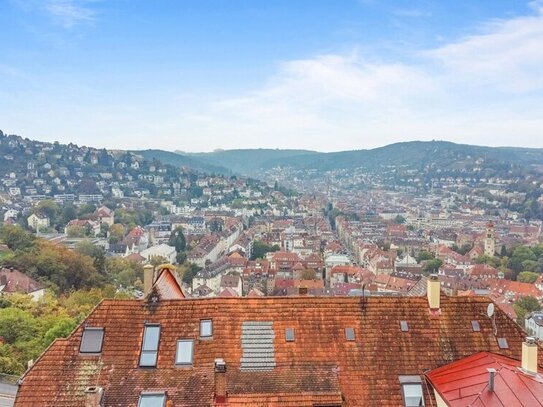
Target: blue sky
column 318, row 74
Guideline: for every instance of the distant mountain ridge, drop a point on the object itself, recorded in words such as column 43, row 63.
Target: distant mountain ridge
column 415, row 154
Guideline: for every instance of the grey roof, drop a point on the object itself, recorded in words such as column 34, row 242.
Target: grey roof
column 257, row 344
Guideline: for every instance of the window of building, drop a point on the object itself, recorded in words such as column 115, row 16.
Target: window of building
column 349, row 334
column 206, row 328
column 149, row 347
column 404, row 326
column 91, row 341
column 502, row 343
column 412, row 391
column 289, row 334
column 152, row 400
column 184, row 352
column 475, row 326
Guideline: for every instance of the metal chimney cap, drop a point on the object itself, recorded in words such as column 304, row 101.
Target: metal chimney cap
column 433, row 277
column 491, row 370
column 220, row 365
column 530, row 340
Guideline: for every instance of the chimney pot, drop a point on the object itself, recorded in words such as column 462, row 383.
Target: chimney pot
column 491, row 374
column 220, row 380
column 433, row 292
column 529, row 355
column 148, row 277
column 93, row 396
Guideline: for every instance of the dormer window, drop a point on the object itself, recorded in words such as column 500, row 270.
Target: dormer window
column 91, row 340
column 475, row 326
column 412, row 391
column 206, row 328
column 149, row 347
column 152, row 399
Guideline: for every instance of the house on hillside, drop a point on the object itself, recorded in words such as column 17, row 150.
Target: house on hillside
column 38, row 221
column 14, row 281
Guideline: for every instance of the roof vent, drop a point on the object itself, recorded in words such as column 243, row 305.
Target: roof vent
column 491, row 376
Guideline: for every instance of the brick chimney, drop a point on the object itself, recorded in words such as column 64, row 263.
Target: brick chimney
column 433, row 292
column 529, row 356
column 93, row 396
column 220, row 381
column 148, row 279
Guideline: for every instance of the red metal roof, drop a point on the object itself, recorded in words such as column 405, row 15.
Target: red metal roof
column 465, row 382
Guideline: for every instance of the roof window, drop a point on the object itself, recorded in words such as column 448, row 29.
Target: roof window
column 289, row 334
column 152, row 400
column 475, row 326
column 206, row 328
column 412, row 391
column 149, row 347
column 349, row 334
column 404, row 326
column 184, row 352
column 502, row 343
column 91, row 341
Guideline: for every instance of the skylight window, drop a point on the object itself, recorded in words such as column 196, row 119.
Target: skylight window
column 152, row 400
column 289, row 334
column 475, row 326
column 403, row 326
column 184, row 352
column 91, row 341
column 502, row 343
column 412, row 391
column 206, row 328
column 149, row 347
column 349, row 334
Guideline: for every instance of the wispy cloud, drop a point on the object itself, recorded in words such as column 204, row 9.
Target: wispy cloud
column 488, row 85
column 65, row 13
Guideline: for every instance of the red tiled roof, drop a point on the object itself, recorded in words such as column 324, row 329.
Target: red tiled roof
column 367, row 369
column 465, row 383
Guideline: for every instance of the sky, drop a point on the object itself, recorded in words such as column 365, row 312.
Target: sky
column 326, row 75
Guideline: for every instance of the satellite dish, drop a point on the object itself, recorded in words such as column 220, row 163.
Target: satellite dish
column 490, row 310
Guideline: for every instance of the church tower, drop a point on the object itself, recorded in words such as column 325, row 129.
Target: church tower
column 490, row 241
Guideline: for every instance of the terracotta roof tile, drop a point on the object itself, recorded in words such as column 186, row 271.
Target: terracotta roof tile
column 318, row 363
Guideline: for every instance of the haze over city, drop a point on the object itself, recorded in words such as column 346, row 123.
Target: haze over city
column 320, row 75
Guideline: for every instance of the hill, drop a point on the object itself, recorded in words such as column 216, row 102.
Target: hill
column 182, row 160
column 246, row 161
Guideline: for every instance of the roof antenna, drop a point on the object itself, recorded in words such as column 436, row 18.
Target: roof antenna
column 490, row 314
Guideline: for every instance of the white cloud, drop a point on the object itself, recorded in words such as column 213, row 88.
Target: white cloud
column 66, row 13
column 485, row 88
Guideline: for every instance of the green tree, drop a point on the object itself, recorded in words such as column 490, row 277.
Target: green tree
column 424, row 255
column 523, row 306
column 16, row 238
column 432, row 265
column 16, row 325
column 527, row 277
column 177, row 239
column 260, row 249
column 399, row 219
column 76, row 231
